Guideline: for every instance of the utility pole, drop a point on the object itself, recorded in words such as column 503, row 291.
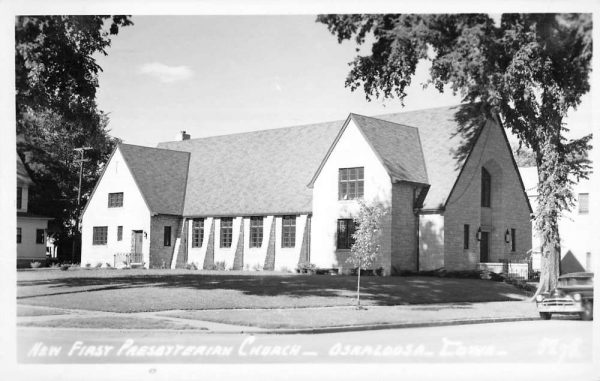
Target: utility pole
column 81, row 160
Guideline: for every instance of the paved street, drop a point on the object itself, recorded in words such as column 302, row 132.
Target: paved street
column 555, row 341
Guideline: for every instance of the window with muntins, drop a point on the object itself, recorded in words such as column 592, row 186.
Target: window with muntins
column 39, row 236
column 119, row 233
column 197, row 232
column 167, row 236
column 256, row 231
column 19, row 197
column 19, row 236
column 584, row 203
column 100, row 235
column 466, row 236
column 513, row 239
column 351, row 184
column 226, row 232
column 115, row 200
column 288, row 231
column 486, row 188
column 345, row 230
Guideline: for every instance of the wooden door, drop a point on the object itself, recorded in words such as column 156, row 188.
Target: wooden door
column 136, row 241
column 484, row 247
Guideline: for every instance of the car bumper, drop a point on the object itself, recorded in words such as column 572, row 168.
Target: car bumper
column 552, row 306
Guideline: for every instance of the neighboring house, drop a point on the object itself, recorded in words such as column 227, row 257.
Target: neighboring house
column 273, row 199
column 31, row 228
column 575, row 227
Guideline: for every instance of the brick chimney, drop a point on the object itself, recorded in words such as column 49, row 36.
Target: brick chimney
column 181, row 135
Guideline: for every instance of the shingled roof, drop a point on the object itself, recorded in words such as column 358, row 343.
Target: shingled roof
column 439, row 140
column 267, row 172
column 254, row 173
column 161, row 176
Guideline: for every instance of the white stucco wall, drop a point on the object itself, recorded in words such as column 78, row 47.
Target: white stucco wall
column 254, row 257
column 28, row 249
column 226, row 254
column 196, row 254
column 352, row 150
column 134, row 215
column 287, row 257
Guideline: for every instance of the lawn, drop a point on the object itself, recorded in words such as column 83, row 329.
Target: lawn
column 109, row 322
column 159, row 290
column 350, row 316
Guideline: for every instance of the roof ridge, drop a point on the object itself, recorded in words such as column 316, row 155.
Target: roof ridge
column 156, row 148
column 385, row 121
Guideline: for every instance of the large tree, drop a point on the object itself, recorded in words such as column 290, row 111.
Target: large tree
column 530, row 69
column 56, row 111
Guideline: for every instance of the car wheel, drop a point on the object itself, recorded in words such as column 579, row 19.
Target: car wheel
column 545, row 315
column 588, row 311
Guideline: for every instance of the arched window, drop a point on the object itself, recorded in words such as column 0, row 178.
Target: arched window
column 486, row 188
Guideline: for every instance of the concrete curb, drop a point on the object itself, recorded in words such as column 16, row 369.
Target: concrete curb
column 297, row 331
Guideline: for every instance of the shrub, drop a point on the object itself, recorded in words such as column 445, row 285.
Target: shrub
column 98, row 265
column 64, row 267
column 306, row 268
column 257, row 267
column 220, row 265
column 210, row 266
column 88, row 265
column 35, row 265
column 191, row 266
column 108, row 265
column 54, row 265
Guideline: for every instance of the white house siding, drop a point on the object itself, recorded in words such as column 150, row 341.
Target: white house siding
column 576, row 230
column 352, row 150
column 134, row 215
column 28, row 250
column 509, row 206
column 431, row 241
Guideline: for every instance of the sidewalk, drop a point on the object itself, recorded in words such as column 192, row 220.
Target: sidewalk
column 285, row 321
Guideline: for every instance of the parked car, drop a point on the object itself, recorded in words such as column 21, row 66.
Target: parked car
column 574, row 294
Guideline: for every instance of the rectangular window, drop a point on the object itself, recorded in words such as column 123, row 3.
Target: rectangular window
column 345, row 230
column 119, row 233
column 584, row 203
column 466, row 236
column 39, row 236
column 351, row 183
column 19, row 197
column 100, row 235
column 197, row 232
column 513, row 240
column 288, row 231
column 167, row 236
column 115, row 200
column 226, row 232
column 486, row 188
column 19, row 237
column 256, row 231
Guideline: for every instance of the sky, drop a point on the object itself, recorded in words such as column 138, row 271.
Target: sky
column 215, row 75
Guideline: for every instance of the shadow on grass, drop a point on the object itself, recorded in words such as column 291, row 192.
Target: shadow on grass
column 374, row 290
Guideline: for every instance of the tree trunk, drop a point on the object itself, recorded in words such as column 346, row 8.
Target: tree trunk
column 358, row 289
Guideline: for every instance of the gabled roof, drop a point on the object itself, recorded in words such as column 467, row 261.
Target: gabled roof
column 438, row 132
column 267, row 172
column 161, row 176
column 254, row 173
column 22, row 174
column 397, row 146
